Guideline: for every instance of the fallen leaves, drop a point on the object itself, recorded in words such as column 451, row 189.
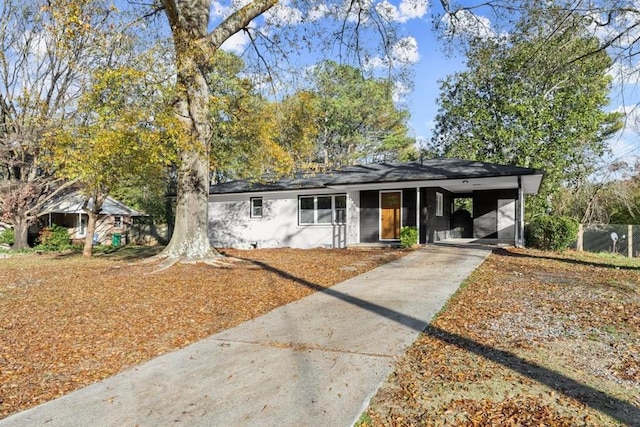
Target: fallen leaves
column 534, row 338
column 66, row 321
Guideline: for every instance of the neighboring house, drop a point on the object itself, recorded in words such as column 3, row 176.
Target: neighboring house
column 369, row 204
column 67, row 211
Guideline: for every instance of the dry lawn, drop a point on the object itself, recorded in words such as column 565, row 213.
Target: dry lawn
column 66, row 322
column 533, row 339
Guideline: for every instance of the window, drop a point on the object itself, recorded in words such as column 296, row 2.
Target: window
column 117, row 221
column 324, row 214
column 322, row 209
column 340, row 209
column 256, row 207
column 439, row 204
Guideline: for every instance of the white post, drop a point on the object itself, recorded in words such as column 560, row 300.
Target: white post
column 580, row 244
column 630, row 240
column 418, row 212
column 520, row 233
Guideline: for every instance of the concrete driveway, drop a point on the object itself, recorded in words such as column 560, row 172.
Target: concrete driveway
column 315, row 361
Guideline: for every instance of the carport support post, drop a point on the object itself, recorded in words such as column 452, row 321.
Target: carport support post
column 520, row 234
column 418, row 212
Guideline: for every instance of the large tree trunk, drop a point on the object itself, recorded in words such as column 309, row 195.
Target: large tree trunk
column 195, row 49
column 87, row 250
column 21, row 232
column 190, row 239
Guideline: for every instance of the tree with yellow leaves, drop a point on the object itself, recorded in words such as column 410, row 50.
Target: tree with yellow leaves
column 125, row 130
column 46, row 50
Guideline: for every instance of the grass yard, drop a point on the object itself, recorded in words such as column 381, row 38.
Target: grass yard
column 532, row 339
column 66, row 322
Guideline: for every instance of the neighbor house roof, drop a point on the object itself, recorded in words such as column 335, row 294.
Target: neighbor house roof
column 437, row 171
column 73, row 204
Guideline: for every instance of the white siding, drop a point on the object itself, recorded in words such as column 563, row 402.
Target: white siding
column 353, row 217
column 231, row 226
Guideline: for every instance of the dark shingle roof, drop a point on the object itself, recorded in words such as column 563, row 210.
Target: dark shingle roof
column 427, row 170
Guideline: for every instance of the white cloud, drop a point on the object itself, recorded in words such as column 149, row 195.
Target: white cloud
column 237, row 43
column 219, row 11
column 625, row 145
column 318, row 12
column 465, row 23
column 283, row 14
column 400, row 91
column 403, row 53
column 624, row 74
column 406, row 10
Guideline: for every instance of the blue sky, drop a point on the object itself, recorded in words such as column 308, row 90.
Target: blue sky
column 424, row 54
column 422, row 51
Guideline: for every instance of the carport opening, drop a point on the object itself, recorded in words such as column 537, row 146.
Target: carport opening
column 462, row 218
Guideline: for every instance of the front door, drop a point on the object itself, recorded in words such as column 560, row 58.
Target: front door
column 390, row 218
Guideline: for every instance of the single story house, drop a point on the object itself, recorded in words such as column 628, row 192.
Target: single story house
column 369, row 204
column 115, row 218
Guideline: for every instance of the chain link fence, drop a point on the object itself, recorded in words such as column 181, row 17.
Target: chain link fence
column 611, row 238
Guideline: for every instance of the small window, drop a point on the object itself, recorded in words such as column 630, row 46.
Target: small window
column 117, row 221
column 307, row 210
column 439, row 204
column 256, row 207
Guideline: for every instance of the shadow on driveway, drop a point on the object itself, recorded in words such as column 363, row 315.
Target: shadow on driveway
column 618, row 409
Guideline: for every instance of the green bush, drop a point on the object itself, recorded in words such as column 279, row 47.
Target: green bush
column 54, row 238
column 408, row 237
column 7, row 237
column 554, row 233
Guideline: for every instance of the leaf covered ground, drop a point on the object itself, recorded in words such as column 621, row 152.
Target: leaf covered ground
column 66, row 321
column 532, row 339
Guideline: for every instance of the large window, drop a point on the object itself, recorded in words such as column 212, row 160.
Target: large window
column 256, row 207
column 322, row 209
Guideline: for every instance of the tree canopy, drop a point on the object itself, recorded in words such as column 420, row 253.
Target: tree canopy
column 526, row 100
column 124, row 130
column 357, row 119
column 340, row 117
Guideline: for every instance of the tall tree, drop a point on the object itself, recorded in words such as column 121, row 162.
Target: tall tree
column 525, row 100
column 195, row 48
column 253, row 136
column 46, row 51
column 358, row 120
